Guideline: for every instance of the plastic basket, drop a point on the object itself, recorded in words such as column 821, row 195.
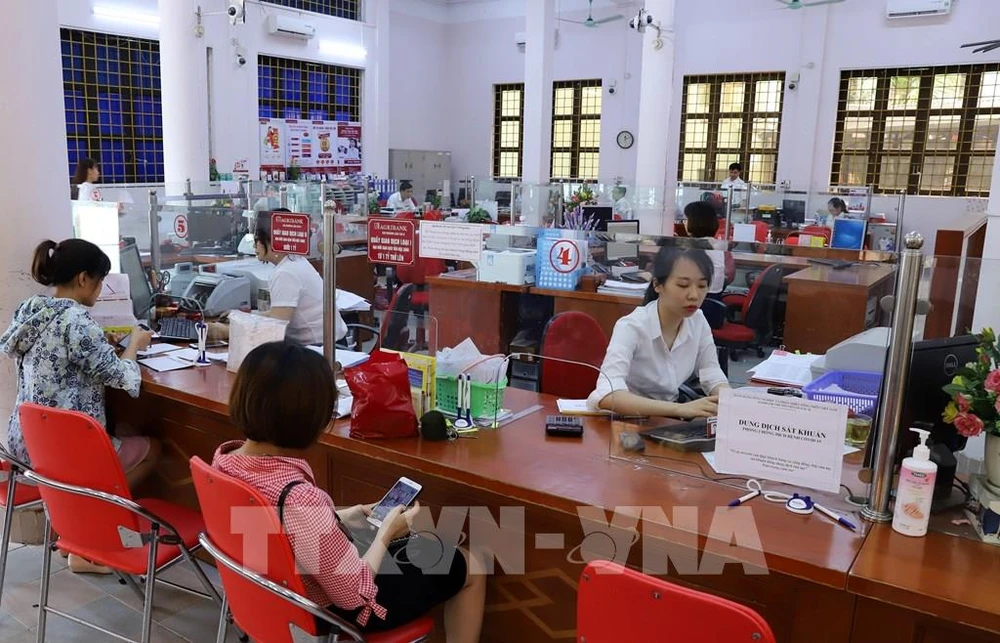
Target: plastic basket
column 860, row 390
column 486, row 398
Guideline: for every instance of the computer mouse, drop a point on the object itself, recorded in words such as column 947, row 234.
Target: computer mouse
column 631, row 441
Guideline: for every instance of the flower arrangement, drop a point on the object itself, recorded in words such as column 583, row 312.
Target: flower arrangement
column 975, row 405
column 575, row 220
column 583, row 195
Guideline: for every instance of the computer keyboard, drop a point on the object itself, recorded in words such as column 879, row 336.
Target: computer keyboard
column 695, row 435
column 178, row 328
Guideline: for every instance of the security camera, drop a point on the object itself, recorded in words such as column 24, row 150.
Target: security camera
column 641, row 20
column 237, row 11
column 612, row 90
column 241, row 60
column 793, row 82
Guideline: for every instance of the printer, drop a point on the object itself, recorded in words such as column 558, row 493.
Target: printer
column 218, row 293
column 258, row 272
column 862, row 352
column 514, row 266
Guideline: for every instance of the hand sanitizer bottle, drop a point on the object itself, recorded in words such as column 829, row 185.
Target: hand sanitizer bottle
column 916, row 490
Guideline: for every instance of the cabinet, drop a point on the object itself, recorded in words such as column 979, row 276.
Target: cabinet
column 425, row 169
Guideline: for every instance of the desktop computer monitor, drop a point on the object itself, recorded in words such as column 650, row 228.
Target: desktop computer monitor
column 211, row 229
column 625, row 226
column 602, row 213
column 793, row 211
column 848, row 234
column 617, row 249
column 138, row 283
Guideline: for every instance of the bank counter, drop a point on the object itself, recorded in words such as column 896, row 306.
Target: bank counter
column 815, row 581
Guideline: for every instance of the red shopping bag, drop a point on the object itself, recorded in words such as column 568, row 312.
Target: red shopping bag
column 382, row 405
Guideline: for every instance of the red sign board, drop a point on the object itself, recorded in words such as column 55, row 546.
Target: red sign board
column 181, row 226
column 290, row 233
column 391, row 241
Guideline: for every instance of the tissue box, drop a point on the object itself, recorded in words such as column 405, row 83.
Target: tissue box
column 514, row 266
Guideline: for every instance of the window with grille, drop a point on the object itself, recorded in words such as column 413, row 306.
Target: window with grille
column 930, row 130
column 508, row 130
column 301, row 90
column 348, row 9
column 731, row 118
column 576, row 129
column 111, row 87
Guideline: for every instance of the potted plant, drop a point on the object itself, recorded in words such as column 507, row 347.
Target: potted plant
column 478, row 215
column 975, row 401
column 294, row 172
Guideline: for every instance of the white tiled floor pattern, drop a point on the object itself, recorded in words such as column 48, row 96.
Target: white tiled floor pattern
column 178, row 616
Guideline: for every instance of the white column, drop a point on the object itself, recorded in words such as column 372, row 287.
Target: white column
column 36, row 177
column 656, row 95
column 377, row 89
column 184, row 87
column 987, row 302
column 539, row 50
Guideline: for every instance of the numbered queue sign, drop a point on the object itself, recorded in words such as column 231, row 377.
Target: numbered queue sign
column 561, row 259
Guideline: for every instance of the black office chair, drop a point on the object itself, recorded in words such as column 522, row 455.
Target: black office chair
column 354, row 342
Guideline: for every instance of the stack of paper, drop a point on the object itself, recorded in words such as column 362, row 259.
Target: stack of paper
column 578, row 407
column 348, row 302
column 113, row 310
column 788, row 369
column 615, row 287
column 344, row 357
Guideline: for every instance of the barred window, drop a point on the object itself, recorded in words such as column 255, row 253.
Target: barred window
column 111, row 87
column 508, row 130
column 576, row 129
column 348, row 9
column 731, row 118
column 303, row 90
column 928, row 130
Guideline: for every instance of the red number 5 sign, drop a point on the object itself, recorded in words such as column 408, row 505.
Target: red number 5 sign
column 564, row 256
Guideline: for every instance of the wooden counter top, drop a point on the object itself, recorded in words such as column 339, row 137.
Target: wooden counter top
column 947, row 576
column 863, row 276
column 447, row 280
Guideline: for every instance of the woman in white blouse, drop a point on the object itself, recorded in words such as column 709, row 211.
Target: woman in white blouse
column 86, row 175
column 662, row 344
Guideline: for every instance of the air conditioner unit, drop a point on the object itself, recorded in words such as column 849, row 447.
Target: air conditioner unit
column 917, row 8
column 289, row 27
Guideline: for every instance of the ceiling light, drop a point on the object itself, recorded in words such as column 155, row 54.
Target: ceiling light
column 125, row 14
column 342, row 50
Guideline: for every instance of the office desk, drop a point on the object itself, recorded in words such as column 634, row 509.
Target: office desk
column 811, row 593
column 826, row 306
column 606, row 308
column 464, row 307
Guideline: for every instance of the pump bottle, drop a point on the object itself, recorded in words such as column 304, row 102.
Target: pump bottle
column 916, row 490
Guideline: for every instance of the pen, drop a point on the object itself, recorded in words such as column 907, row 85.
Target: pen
column 747, row 498
column 831, row 515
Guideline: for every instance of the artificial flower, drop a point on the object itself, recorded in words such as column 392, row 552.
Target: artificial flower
column 992, row 383
column 950, row 412
column 963, row 403
column 969, row 424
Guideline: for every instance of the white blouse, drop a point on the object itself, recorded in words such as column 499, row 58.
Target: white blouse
column 639, row 361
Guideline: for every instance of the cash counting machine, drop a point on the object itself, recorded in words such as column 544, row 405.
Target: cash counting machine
column 219, row 293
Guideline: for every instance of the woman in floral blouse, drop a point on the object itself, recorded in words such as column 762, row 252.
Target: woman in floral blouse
column 63, row 358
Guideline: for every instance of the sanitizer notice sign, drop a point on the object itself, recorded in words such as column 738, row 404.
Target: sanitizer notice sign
column 290, row 233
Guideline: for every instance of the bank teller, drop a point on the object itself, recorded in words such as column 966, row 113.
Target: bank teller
column 662, row 344
column 402, row 201
column 296, row 291
column 735, row 179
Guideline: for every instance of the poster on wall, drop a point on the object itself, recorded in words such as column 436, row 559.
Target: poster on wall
column 317, row 147
column 272, row 144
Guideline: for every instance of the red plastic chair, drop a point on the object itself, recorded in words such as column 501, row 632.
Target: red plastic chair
column 14, row 494
column 574, row 336
column 263, row 588
column 617, row 604
column 88, row 504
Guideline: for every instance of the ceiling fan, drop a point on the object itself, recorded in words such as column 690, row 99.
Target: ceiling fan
column 590, row 22
column 981, row 47
column 798, row 4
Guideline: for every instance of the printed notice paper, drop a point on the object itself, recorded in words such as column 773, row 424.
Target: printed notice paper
column 451, row 241
column 784, row 439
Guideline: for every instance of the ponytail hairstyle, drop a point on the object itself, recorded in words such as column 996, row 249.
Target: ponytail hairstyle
column 667, row 258
column 838, row 203
column 56, row 264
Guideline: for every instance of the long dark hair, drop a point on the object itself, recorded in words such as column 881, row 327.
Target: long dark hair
column 82, row 169
column 838, row 203
column 664, row 264
column 56, row 264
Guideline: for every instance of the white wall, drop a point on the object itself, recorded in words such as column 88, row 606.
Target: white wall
column 233, row 117
column 421, row 87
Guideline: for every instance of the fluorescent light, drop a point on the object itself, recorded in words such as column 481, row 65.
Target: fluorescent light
column 123, row 14
column 342, row 50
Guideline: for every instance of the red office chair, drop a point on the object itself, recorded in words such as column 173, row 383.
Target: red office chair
column 616, row 604
column 756, row 325
column 14, row 494
column 88, row 504
column 762, row 228
column 574, row 336
column 263, row 588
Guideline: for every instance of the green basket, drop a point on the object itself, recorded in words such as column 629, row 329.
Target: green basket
column 486, row 398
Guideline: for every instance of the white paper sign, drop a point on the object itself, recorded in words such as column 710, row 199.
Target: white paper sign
column 451, row 241
column 779, row 438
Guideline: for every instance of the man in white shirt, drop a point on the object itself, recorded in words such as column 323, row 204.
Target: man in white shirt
column 735, row 179
column 402, row 201
column 622, row 208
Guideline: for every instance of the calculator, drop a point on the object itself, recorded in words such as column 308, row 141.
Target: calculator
column 564, row 426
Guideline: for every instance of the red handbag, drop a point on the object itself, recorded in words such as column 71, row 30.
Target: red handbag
column 383, row 407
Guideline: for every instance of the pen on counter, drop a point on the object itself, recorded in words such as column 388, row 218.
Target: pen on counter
column 836, row 517
column 747, row 498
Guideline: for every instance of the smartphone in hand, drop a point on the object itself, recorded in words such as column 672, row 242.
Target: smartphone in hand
column 402, row 494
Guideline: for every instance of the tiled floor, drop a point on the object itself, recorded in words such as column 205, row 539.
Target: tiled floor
column 178, row 616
